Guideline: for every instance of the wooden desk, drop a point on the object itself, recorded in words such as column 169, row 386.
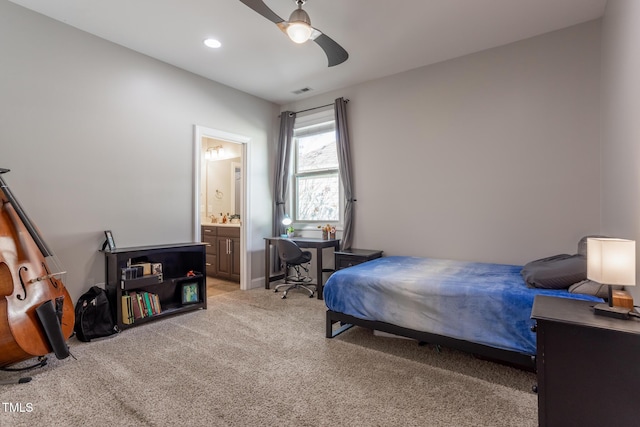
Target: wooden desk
column 305, row 243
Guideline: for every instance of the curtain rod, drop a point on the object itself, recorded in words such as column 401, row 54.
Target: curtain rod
column 314, row 108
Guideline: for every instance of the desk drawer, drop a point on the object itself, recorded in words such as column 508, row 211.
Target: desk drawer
column 351, row 257
column 349, row 261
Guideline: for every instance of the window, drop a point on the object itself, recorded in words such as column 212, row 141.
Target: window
column 316, row 178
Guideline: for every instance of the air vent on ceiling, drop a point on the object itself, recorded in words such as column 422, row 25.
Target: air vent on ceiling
column 303, row 90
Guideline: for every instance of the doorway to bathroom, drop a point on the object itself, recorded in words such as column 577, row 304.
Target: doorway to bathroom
column 221, row 220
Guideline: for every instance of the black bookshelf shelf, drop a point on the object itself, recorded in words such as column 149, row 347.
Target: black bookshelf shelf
column 141, row 282
column 161, row 294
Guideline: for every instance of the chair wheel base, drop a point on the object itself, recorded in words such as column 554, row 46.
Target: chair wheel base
column 291, row 286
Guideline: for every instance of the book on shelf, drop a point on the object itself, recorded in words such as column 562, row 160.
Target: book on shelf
column 143, row 304
column 136, row 306
column 144, row 268
column 147, row 304
column 157, row 302
column 127, row 310
column 138, row 271
column 153, row 303
column 143, row 310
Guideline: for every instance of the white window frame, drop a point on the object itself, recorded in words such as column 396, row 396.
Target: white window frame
column 317, row 118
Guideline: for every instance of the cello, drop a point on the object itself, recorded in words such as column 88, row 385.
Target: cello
column 28, row 289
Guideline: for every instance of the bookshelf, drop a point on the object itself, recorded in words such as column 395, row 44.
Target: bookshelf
column 148, row 283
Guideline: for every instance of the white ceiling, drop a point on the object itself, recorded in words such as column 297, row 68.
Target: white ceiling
column 383, row 37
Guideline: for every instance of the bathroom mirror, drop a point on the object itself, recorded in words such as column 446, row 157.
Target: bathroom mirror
column 221, row 184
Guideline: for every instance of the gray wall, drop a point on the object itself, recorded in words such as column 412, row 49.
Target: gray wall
column 489, row 157
column 621, row 123
column 99, row 137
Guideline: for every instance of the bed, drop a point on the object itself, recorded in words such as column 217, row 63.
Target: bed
column 481, row 308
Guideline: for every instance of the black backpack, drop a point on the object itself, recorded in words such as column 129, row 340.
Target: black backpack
column 93, row 316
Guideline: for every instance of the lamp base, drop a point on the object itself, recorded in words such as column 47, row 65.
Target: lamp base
column 615, row 312
column 622, row 299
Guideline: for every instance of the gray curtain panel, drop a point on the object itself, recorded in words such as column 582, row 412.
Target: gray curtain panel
column 281, row 179
column 344, row 160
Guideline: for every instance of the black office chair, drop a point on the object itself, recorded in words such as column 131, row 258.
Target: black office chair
column 292, row 256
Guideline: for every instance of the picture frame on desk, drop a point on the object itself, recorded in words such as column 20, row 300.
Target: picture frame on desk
column 190, row 292
column 111, row 243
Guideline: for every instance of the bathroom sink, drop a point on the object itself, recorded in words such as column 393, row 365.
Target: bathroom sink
column 220, row 225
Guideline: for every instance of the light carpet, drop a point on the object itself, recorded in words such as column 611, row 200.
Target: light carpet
column 253, row 359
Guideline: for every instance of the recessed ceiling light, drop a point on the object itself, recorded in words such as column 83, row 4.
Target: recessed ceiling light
column 212, row 43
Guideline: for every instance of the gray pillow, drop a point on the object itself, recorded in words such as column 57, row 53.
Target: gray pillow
column 555, row 272
column 582, row 245
column 589, row 287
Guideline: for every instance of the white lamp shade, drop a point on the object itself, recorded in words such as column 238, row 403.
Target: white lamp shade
column 611, row 261
column 286, row 220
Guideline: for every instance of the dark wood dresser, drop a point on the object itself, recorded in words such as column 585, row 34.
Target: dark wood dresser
column 588, row 366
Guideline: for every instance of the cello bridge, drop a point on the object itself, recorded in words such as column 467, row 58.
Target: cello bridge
column 46, row 276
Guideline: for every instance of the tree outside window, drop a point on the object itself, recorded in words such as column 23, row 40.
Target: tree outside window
column 316, row 179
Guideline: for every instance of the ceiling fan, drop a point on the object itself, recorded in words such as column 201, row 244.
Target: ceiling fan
column 299, row 29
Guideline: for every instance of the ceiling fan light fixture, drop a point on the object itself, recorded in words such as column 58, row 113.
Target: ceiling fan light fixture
column 298, row 29
column 299, row 26
column 299, row 32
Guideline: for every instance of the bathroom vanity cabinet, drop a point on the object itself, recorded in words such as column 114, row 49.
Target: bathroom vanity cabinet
column 222, row 251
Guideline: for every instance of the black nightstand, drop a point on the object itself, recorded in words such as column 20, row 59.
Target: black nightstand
column 588, row 371
column 351, row 257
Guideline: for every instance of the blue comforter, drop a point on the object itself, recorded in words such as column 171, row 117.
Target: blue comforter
column 483, row 303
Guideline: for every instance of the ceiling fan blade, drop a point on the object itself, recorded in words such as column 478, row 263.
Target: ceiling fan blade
column 262, row 9
column 335, row 53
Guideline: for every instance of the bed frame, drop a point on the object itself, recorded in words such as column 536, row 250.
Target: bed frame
column 519, row 360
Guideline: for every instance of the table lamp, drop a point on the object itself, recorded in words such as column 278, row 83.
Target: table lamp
column 286, row 221
column 611, row 262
